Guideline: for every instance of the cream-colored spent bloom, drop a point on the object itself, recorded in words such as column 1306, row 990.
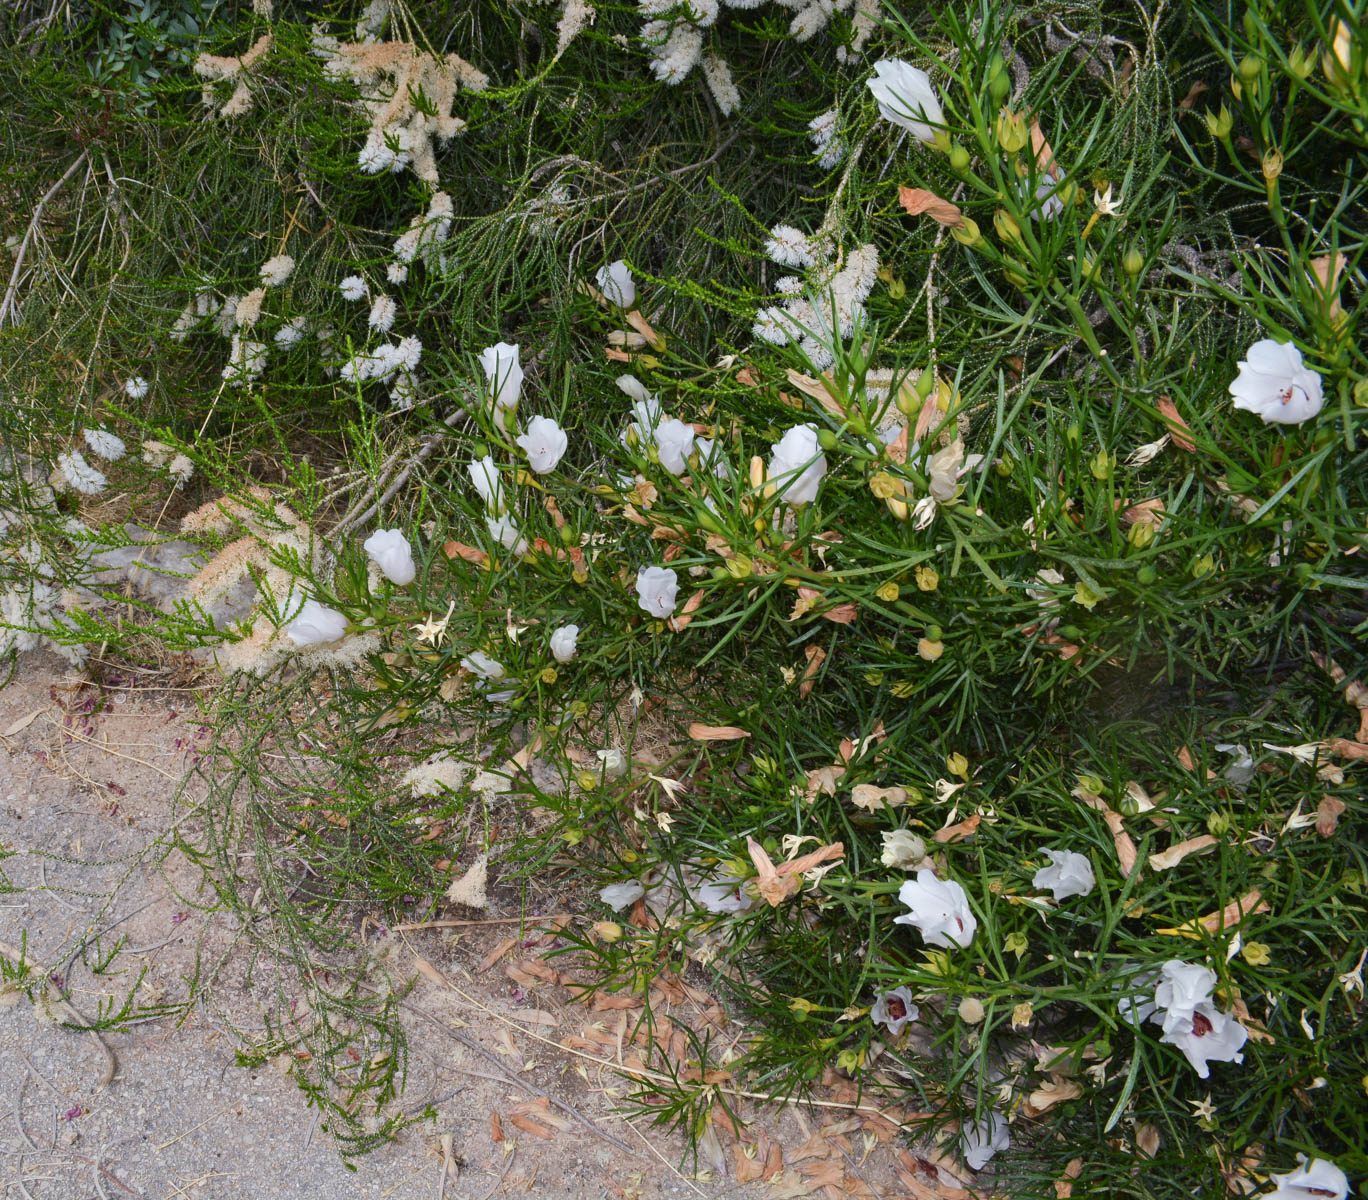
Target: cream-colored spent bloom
column 249, row 307
column 717, row 75
column 275, row 271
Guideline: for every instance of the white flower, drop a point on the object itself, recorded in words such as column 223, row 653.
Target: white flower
column 563, row 643
column 291, row 333
column 612, row 762
column 674, row 440
column 275, row 271
column 798, row 464
column 503, row 373
column 903, row 850
column 180, row 469
column 479, row 663
column 616, row 283
column 485, row 476
column 1182, row 988
column 397, row 272
column 722, row 894
column 1317, row 1178
column 924, row 512
column 618, row 896
column 634, row 388
column 893, row 1010
column 940, row 910
column 1047, row 596
column 105, row 444
column 505, row 531
column 389, row 550
column 789, row 247
column 983, row 1139
column 1208, row 1036
column 1275, row 383
column 382, row 313
column 353, row 288
column 136, row 388
column 316, row 623
column 656, row 589
column 946, row 467
column 80, row 475
column 544, row 443
column 1068, row 874
column 905, row 96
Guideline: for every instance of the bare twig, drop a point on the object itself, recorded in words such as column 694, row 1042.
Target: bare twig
column 430, row 443
column 8, row 307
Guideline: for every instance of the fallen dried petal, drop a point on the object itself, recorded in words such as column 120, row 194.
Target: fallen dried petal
column 1175, row 854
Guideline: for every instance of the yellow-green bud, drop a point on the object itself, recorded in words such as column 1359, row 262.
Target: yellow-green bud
column 1102, row 465
column 1133, row 262
column 1147, row 574
column 1219, row 124
column 1272, row 165
column 897, row 289
column 926, row 383
column 1006, row 226
column 998, row 82
column 1250, row 67
column 959, row 158
column 1011, row 131
column 967, row 232
column 827, row 439
column 1141, row 534
column 1299, row 62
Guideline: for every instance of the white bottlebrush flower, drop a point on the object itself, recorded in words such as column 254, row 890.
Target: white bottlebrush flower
column 180, row 468
column 893, row 1010
column 983, row 1139
column 485, row 476
column 316, row 623
column 717, row 75
column 772, row 325
column 940, row 910
column 903, row 850
column 564, row 642
column 275, row 271
column 248, row 308
column 503, row 374
column 291, row 333
column 397, row 272
column 407, row 353
column 504, row 530
column 789, row 247
column 389, row 550
column 798, row 464
column 1209, row 1035
column 382, row 313
column 80, row 475
column 1068, row 874
column 657, row 588
column 906, row 97
column 674, row 442
column 136, row 388
column 616, row 283
column 354, row 288
column 1314, row 1180
column 544, row 443
column 618, row 896
column 672, row 61
column 1274, row 383
column 104, row 444
column 477, row 662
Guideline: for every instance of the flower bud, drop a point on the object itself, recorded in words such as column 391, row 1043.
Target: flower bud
column 1133, row 262
column 897, row 289
column 1272, row 166
column 608, row 931
column 1141, row 534
column 967, row 232
column 933, row 633
column 1339, row 58
column 926, row 382
column 827, row 439
column 1015, row 273
column 1011, row 131
column 1101, row 466
column 1146, row 575
column 757, row 471
column 1006, row 227
column 998, row 82
column 1299, row 62
column 1251, row 65
column 959, row 159
column 1219, row 124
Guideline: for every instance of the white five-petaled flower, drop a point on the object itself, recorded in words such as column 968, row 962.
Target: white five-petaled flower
column 940, row 910
column 983, row 1139
column 1069, row 874
column 657, row 588
column 674, row 440
column 389, row 550
column 1106, row 206
column 616, row 283
column 618, row 896
column 544, row 443
column 798, row 464
column 1318, row 1179
column 316, row 623
column 485, row 476
column 136, row 388
column 1275, row 383
column 563, row 643
column 477, row 662
column 1182, row 1006
column 1182, row 988
column 893, row 1010
column 1209, row 1036
column 906, row 97
column 503, row 373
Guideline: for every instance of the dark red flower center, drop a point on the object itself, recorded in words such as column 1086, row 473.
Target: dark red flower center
column 1201, row 1026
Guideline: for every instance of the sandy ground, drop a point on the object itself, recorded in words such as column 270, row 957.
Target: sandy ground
column 84, row 800
column 517, row 1072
